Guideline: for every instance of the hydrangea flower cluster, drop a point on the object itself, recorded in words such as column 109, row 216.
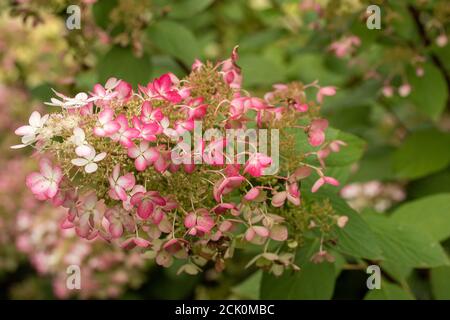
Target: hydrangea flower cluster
column 375, row 194
column 34, row 233
column 116, row 160
column 106, row 270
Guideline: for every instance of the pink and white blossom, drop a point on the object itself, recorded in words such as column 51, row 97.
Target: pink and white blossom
column 147, row 131
column 316, row 132
column 199, row 222
column 143, row 154
column 324, row 180
column 79, row 139
column 89, row 161
column 163, row 88
column 29, row 132
column 80, row 100
column 146, row 203
column 45, row 184
column 325, row 91
column 125, row 134
column 257, row 163
column 120, row 184
column 106, row 125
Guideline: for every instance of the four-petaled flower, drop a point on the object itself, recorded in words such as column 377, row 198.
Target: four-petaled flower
column 199, row 222
column 143, row 154
column 316, row 132
column 29, row 132
column 292, row 194
column 45, row 184
column 147, row 131
column 117, row 222
column 150, row 115
column 105, row 94
column 120, row 184
column 106, row 125
column 256, row 164
column 79, row 139
column 196, row 109
column 226, row 185
column 125, row 134
column 163, row 88
column 146, row 204
column 90, row 212
column 89, row 160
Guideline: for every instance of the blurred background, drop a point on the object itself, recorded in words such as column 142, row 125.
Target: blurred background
column 393, row 85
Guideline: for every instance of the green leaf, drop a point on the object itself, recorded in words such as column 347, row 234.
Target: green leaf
column 355, row 119
column 406, row 245
column 312, row 282
column 339, row 262
column 176, row 40
column 42, row 92
column 422, row 153
column 429, row 92
column 310, row 67
column 86, row 80
column 260, row 71
column 357, row 238
column 376, row 164
column 121, row 63
column 250, row 287
column 257, row 40
column 352, row 97
column 184, row 9
column 389, row 291
column 430, row 214
column 443, row 53
column 397, row 271
column 404, row 24
column 348, row 154
column 440, row 283
column 101, row 11
column 165, row 64
column 342, row 174
column 438, row 182
column 366, row 35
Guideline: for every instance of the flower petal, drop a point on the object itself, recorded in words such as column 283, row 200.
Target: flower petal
column 140, row 163
column 100, row 157
column 46, row 168
column 25, row 130
column 317, row 184
column 127, row 181
column 91, row 167
column 80, row 162
column 35, row 119
column 84, row 151
column 145, row 209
